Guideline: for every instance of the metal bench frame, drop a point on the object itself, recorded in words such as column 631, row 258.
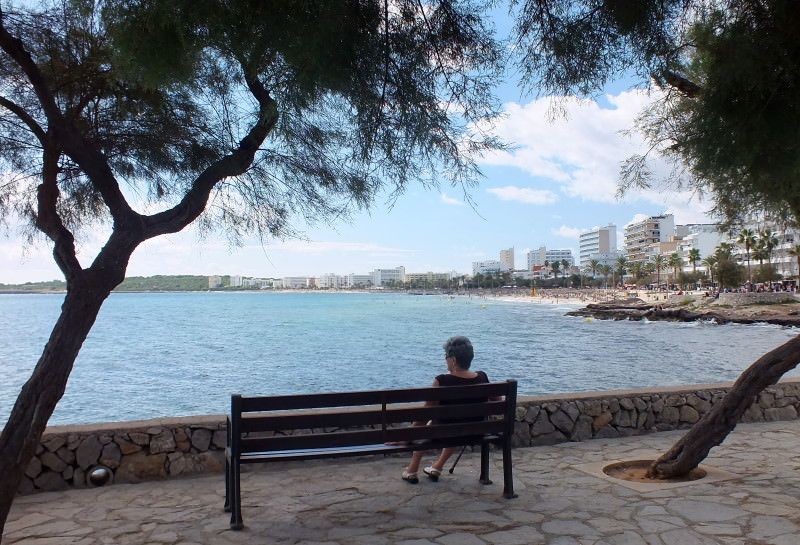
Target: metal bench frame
column 260, row 429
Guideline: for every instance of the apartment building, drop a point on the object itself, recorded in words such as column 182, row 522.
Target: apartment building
column 385, row 276
column 641, row 235
column 486, row 267
column 597, row 243
column 507, row 259
column 537, row 258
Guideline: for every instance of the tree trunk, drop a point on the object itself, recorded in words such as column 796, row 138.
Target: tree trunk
column 715, row 426
column 37, row 400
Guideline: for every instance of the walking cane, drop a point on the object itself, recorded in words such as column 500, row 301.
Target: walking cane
column 457, row 459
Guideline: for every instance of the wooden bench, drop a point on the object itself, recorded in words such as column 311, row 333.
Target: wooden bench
column 261, row 430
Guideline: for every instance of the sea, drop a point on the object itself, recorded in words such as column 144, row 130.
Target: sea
column 174, row 354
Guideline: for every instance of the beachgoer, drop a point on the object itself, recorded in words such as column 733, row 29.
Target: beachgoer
column 458, row 354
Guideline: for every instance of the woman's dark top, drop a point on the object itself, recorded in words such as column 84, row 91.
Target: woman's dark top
column 452, row 380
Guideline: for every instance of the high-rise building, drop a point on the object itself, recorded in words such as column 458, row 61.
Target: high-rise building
column 641, row 235
column 384, row 276
column 486, row 267
column 537, row 258
column 601, row 241
column 507, row 259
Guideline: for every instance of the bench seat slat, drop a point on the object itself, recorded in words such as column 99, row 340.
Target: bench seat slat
column 377, row 397
column 374, row 416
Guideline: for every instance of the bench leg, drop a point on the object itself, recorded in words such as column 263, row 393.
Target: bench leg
column 484, row 478
column 508, row 478
column 236, row 496
column 227, row 506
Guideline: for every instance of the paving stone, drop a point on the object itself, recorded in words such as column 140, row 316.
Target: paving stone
column 697, row 511
column 518, row 536
column 568, row 528
column 460, row 538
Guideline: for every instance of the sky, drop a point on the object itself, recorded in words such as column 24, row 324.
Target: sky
column 559, row 179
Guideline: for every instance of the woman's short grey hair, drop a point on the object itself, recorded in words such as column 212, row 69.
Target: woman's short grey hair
column 461, row 349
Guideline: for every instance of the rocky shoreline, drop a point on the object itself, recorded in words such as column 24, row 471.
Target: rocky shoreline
column 636, row 310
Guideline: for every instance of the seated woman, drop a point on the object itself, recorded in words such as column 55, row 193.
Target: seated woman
column 458, row 354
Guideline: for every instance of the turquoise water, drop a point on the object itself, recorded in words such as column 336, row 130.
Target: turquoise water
column 159, row 354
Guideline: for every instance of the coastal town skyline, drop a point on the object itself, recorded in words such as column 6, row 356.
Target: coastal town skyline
column 559, row 180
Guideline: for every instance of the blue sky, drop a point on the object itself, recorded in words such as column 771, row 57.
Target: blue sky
column 560, row 179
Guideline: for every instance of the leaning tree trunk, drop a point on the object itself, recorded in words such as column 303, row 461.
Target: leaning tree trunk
column 715, row 426
column 37, row 400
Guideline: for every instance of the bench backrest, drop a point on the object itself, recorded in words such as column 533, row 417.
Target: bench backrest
column 368, row 417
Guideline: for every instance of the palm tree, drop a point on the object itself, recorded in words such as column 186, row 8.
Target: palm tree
column 658, row 265
column 555, row 266
column 710, row 262
column 724, row 251
column 694, row 257
column 622, row 265
column 637, row 270
column 676, row 262
column 748, row 238
column 593, row 264
column 565, row 270
column 795, row 251
column 605, row 270
column 768, row 240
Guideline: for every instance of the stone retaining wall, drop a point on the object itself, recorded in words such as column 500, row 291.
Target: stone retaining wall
column 165, row 448
column 737, row 299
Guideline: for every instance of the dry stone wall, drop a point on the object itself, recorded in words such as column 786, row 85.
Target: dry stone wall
column 166, row 448
column 132, row 451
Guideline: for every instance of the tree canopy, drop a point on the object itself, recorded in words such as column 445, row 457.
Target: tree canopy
column 728, row 74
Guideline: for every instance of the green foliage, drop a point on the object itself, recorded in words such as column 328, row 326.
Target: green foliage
column 729, row 274
column 367, row 100
column 729, row 118
column 164, row 283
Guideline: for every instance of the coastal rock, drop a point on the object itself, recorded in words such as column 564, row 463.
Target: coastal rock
column 88, row 452
column 639, row 404
column 658, row 405
column 67, row 473
column 570, row 408
column 78, row 478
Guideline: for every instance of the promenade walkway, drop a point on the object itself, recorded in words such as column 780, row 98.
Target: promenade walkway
column 364, row 502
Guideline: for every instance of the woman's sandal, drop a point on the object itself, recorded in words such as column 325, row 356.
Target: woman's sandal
column 409, row 477
column 432, row 473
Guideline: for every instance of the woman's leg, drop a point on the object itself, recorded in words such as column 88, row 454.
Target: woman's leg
column 442, row 459
column 416, row 458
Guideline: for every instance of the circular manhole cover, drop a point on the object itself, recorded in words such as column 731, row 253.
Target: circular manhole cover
column 636, row 471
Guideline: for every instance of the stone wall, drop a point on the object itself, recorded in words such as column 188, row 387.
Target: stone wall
column 579, row 417
column 737, row 299
column 133, row 451
column 166, row 448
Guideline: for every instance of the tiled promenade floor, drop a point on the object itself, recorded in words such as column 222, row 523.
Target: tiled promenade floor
column 363, row 501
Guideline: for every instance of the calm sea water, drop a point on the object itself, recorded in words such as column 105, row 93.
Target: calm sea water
column 158, row 354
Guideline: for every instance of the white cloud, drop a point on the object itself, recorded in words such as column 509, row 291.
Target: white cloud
column 568, row 232
column 582, row 151
column 318, row 247
column 445, row 198
column 637, row 218
column 523, row 194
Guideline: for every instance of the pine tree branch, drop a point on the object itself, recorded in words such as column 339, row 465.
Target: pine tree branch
column 233, row 164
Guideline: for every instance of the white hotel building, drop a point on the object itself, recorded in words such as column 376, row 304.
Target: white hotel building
column 599, row 244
